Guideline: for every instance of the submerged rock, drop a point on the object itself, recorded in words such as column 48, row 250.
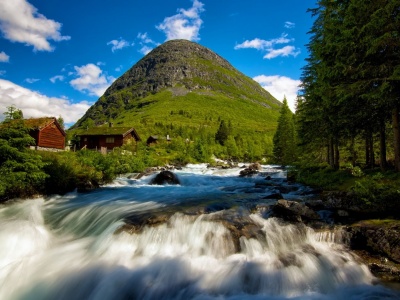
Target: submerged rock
column 165, row 177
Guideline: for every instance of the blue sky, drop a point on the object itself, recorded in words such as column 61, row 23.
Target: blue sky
column 58, row 57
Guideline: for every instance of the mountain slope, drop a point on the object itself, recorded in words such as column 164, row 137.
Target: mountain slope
column 182, row 83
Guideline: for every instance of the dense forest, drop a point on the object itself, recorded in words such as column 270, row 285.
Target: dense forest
column 348, row 110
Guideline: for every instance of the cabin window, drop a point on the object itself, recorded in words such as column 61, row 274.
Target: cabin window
column 85, row 139
column 110, row 140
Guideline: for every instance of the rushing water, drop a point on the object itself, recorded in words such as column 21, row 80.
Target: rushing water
column 132, row 240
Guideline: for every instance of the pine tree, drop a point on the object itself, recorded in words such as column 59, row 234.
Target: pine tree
column 285, row 137
column 222, row 134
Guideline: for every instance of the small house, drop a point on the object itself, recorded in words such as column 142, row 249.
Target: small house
column 47, row 132
column 107, row 137
column 152, row 140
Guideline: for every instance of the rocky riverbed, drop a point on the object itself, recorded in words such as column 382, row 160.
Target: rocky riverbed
column 376, row 242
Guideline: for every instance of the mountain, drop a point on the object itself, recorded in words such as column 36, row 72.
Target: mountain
column 183, row 84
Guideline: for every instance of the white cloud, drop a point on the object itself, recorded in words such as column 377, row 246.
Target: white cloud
column 285, row 51
column 280, row 87
column 145, row 50
column 21, row 22
column 119, row 44
column 34, row 104
column 91, row 79
column 269, row 46
column 289, row 24
column 31, row 80
column 185, row 24
column 57, row 77
column 144, row 38
column 260, row 44
column 146, row 42
column 4, row 57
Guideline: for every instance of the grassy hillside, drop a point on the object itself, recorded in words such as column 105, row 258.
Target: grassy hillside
column 184, row 90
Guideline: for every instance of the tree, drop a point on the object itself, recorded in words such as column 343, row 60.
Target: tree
column 284, row 150
column 350, row 83
column 222, row 134
column 60, row 121
column 21, row 169
column 13, row 113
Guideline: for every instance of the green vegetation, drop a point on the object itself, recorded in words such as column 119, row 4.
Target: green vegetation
column 347, row 116
column 350, row 84
column 21, row 170
column 25, row 172
column 285, row 141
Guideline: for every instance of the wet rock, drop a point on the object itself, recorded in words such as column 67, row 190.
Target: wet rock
column 214, row 207
column 274, row 196
column 287, row 189
column 165, row 177
column 294, row 211
column 87, row 186
column 380, row 266
column 250, row 170
column 376, row 237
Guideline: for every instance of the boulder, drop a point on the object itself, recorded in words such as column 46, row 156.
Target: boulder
column 294, row 211
column 250, row 170
column 380, row 237
column 165, row 177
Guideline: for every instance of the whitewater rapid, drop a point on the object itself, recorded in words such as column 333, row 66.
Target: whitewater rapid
column 89, row 246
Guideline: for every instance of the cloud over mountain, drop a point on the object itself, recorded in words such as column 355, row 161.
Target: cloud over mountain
column 185, row 24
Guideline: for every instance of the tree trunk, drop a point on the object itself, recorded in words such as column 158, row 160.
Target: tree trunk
column 382, row 142
column 331, row 158
column 396, row 134
column 353, row 152
column 369, row 150
column 336, row 164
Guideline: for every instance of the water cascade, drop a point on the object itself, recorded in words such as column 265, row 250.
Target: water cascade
column 207, row 238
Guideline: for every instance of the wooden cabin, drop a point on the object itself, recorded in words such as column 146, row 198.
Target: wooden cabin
column 98, row 138
column 47, row 132
column 152, row 140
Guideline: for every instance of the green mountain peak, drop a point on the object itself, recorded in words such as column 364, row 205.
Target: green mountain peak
column 182, row 83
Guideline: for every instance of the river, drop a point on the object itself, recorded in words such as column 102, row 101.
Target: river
column 207, row 238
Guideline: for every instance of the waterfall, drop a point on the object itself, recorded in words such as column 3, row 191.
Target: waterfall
column 130, row 240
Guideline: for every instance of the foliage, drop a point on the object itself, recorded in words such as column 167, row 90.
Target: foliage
column 377, row 192
column 222, row 133
column 350, row 83
column 20, row 168
column 13, row 113
column 285, row 145
column 323, row 176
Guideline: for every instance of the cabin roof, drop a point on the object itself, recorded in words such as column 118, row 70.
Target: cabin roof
column 40, row 123
column 107, row 131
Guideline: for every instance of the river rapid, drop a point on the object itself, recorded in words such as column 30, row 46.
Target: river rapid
column 210, row 237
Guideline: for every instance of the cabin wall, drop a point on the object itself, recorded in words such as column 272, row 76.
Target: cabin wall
column 50, row 137
column 96, row 142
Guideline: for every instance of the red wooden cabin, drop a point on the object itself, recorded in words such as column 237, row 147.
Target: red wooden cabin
column 47, row 132
column 107, row 137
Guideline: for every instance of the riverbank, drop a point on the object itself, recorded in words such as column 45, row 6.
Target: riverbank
column 367, row 205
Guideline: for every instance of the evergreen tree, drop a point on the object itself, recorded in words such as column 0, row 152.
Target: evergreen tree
column 285, row 137
column 21, row 170
column 222, row 134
